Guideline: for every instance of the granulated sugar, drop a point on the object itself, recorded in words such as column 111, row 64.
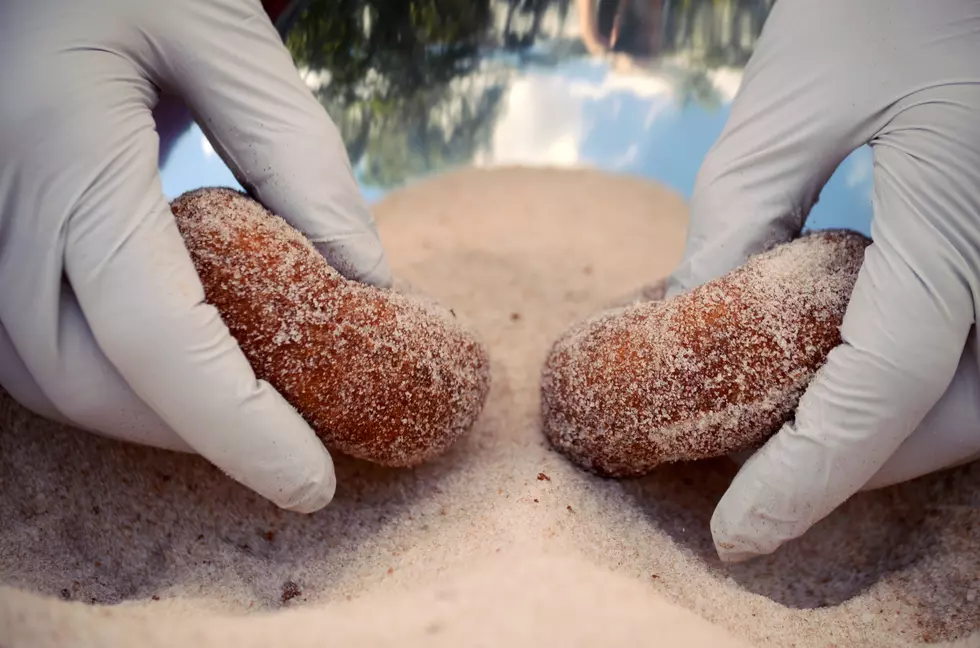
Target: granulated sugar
column 473, row 548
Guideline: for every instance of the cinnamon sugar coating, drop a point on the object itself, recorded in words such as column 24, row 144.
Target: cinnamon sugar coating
column 710, row 372
column 378, row 375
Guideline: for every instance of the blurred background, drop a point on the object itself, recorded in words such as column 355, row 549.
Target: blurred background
column 418, row 87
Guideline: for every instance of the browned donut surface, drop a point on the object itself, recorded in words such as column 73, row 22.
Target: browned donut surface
column 378, row 375
column 707, row 373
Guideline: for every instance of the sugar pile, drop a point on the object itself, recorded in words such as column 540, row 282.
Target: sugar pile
column 501, row 540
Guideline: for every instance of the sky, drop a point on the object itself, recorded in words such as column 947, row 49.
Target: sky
column 193, row 164
column 582, row 113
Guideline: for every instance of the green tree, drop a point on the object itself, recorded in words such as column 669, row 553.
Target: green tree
column 401, row 80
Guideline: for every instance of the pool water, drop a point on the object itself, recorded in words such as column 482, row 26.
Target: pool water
column 418, row 87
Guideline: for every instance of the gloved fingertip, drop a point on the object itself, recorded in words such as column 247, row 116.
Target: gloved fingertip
column 731, row 544
column 672, row 287
column 731, row 555
column 378, row 274
column 366, row 263
column 317, row 489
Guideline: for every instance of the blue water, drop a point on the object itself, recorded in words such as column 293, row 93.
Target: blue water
column 577, row 111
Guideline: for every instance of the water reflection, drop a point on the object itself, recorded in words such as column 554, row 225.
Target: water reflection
column 632, row 86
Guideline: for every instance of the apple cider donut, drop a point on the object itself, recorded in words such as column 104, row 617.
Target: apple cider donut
column 710, row 372
column 378, row 375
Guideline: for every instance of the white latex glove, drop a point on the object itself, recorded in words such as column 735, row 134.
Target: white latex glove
column 103, row 323
column 901, row 396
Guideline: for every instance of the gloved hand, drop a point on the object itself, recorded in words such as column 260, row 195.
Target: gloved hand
column 901, row 396
column 103, row 323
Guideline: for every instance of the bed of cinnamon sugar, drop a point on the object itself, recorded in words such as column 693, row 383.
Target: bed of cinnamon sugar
column 472, row 547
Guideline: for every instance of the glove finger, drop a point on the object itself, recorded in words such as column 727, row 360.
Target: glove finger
column 947, row 436
column 230, row 66
column 140, row 293
column 20, row 384
column 92, row 393
column 903, row 334
column 787, row 132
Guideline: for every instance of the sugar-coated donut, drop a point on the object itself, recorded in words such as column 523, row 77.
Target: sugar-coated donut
column 378, row 375
column 710, row 372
